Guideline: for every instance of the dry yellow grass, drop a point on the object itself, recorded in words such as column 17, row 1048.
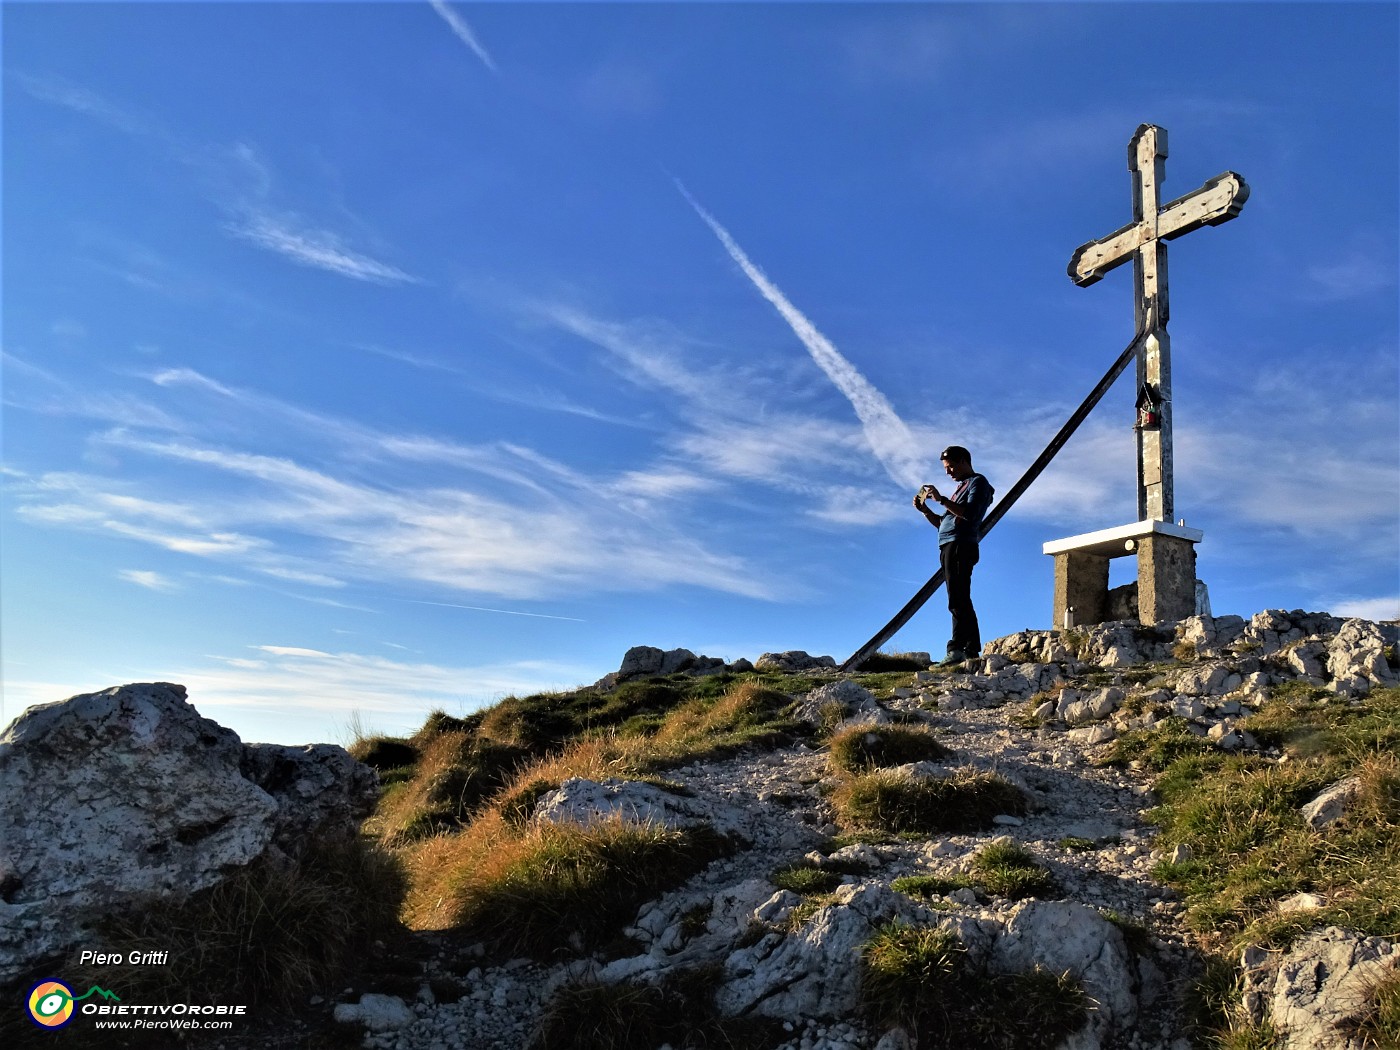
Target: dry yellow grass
column 746, row 705
column 532, row 890
column 399, row 806
column 448, row 872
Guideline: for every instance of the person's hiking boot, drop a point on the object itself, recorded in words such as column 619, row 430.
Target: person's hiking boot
column 954, row 657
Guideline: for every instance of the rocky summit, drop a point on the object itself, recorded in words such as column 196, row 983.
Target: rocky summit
column 1000, row 853
column 1041, row 711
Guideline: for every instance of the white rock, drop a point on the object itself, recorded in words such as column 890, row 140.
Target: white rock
column 1064, row 936
column 1099, row 734
column 1323, row 985
column 378, row 1013
column 1301, row 902
column 856, row 702
column 1307, row 660
column 130, row 794
column 810, row 972
column 1333, row 803
column 583, row 801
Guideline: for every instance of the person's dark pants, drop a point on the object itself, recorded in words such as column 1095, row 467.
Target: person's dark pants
column 958, row 558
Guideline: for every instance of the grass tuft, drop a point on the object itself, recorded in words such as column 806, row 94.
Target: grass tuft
column 920, row 978
column 679, row 1010
column 886, row 800
column 1380, row 1024
column 1158, row 747
column 876, row 663
column 859, row 749
column 1250, row 846
column 1007, row 869
column 805, row 879
column 553, row 885
column 926, row 886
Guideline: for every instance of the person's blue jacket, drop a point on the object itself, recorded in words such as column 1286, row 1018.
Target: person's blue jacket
column 975, row 494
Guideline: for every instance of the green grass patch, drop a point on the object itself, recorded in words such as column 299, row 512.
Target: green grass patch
column 1075, row 844
column 805, row 879
column 1002, row 869
column 885, row 682
column 859, row 749
column 926, row 886
column 1007, row 869
column 920, row 978
column 893, row 802
column 1250, row 846
column 1158, row 747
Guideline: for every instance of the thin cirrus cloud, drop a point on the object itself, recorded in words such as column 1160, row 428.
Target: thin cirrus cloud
column 152, row 581
column 889, row 438
column 318, row 249
column 464, row 32
column 320, row 526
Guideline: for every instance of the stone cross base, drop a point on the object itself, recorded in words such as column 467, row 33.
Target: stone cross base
column 1166, row 587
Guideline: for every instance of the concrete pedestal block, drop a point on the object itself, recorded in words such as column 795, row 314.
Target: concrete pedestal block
column 1166, row 579
column 1081, row 588
column 1166, row 584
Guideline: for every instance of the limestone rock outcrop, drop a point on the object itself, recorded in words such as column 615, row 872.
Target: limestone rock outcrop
column 119, row 796
column 645, row 661
column 1316, row 992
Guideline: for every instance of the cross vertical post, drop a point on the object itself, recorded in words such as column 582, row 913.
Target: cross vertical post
column 1155, row 490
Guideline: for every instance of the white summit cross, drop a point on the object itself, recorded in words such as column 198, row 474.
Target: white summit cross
column 1143, row 241
column 1166, row 555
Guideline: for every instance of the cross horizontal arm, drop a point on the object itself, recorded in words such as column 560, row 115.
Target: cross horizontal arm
column 1091, row 261
column 1219, row 200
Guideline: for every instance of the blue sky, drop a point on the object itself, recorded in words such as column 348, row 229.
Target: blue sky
column 371, row 358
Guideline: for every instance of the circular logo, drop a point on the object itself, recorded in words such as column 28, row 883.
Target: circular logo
column 51, row 1004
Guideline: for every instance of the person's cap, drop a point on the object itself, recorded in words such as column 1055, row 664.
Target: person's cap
column 956, row 453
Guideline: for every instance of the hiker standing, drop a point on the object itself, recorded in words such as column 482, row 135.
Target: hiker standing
column 959, row 529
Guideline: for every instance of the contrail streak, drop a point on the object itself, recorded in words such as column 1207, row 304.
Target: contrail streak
column 463, row 31
column 480, row 608
column 889, row 439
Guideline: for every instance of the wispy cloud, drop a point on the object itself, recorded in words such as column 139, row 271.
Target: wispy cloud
column 290, row 650
column 1366, row 608
column 318, row 249
column 889, row 438
column 464, row 32
column 59, row 92
column 62, row 398
column 303, row 685
column 559, row 532
column 152, row 581
column 238, row 181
